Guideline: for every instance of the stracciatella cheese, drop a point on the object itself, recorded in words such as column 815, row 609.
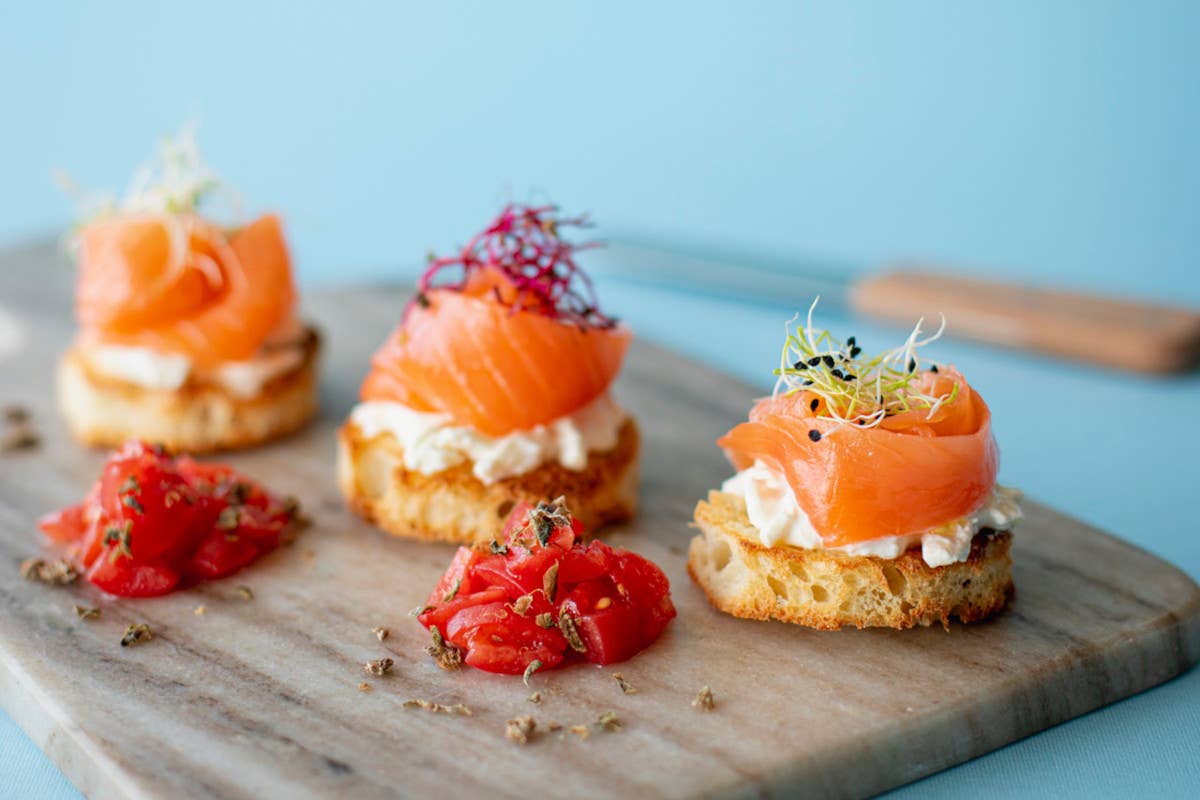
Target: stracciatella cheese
column 431, row 443
column 776, row 515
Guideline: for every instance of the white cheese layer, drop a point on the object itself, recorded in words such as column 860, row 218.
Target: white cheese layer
column 150, row 369
column 779, row 520
column 432, row 444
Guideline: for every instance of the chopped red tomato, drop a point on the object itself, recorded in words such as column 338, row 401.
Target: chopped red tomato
column 543, row 596
column 152, row 522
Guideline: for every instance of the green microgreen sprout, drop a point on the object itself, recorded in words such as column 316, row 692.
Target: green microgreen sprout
column 854, row 389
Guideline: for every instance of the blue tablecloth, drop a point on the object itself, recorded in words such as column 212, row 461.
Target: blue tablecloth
column 1116, row 450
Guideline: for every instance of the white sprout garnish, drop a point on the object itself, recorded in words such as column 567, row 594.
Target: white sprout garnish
column 853, row 389
column 170, row 186
column 172, row 182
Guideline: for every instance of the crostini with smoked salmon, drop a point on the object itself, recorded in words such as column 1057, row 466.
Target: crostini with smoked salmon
column 865, row 495
column 188, row 332
column 495, row 389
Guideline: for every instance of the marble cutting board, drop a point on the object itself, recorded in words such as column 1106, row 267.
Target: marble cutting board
column 259, row 698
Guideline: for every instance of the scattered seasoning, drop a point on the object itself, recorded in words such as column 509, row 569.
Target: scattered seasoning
column 380, row 632
column 550, row 581
column 136, row 634
column 533, row 667
column 420, row 297
column 626, row 686
column 609, row 721
column 815, row 435
column 227, row 520
column 450, row 595
column 554, row 726
column 814, row 361
column 522, row 603
column 933, row 368
column 379, row 667
column 497, row 548
column 364, row 687
column 245, row 592
column 853, row 340
column 582, row 731
column 59, row 572
column 566, row 624
column 458, row 709
column 18, row 432
column 815, row 404
column 132, row 502
column 121, row 538
column 86, row 612
column 548, row 516
column 912, row 365
column 535, row 698
column 521, row 729
column 829, row 362
column 854, row 352
column 704, row 700
column 544, row 620
column 418, row 611
column 199, row 610
column 447, row 656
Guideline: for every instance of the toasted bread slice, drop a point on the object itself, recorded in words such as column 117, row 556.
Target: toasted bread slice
column 196, row 418
column 455, row 506
column 827, row 590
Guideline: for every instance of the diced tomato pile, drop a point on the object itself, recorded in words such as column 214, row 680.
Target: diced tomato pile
column 153, row 523
column 543, row 596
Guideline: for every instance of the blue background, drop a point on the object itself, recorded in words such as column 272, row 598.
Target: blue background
column 1046, row 141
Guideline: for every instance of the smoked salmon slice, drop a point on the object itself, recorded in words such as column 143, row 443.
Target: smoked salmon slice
column 180, row 284
column 518, row 341
column 911, row 473
column 491, row 367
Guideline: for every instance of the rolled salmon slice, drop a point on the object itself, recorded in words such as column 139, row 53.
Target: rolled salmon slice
column 182, row 286
column 493, row 368
column 908, row 475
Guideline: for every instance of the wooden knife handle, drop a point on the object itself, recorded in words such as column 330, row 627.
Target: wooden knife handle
column 1111, row 332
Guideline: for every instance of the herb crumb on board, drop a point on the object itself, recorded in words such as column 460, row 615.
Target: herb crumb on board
column 704, row 700
column 458, row 709
column 379, row 666
column 87, row 612
column 626, row 686
column 135, row 634
column 380, row 632
column 520, row 729
column 59, row 572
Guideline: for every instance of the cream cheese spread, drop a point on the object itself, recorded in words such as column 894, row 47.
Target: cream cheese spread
column 151, row 369
column 779, row 520
column 432, row 443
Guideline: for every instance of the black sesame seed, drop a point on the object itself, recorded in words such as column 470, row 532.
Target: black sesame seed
column 854, row 351
column 850, row 342
column 812, row 362
column 799, row 365
column 807, row 382
column 933, row 367
column 828, row 361
column 837, row 373
column 912, row 365
column 850, row 377
column 814, row 404
column 815, row 435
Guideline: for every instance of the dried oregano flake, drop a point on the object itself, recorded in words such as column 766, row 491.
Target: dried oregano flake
column 521, row 729
column 447, row 656
column 59, row 572
column 379, row 666
column 458, row 709
column 135, row 634
column 704, row 700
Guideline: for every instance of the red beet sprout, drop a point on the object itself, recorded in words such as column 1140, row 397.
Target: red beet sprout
column 523, row 243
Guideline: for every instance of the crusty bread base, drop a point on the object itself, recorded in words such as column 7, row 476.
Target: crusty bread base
column 455, row 506
column 828, row 590
column 103, row 412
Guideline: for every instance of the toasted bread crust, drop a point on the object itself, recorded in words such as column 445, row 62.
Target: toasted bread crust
column 455, row 506
column 197, row 418
column 829, row 590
